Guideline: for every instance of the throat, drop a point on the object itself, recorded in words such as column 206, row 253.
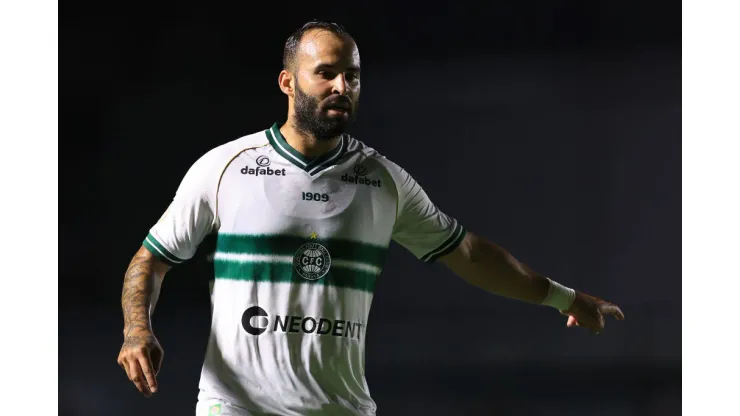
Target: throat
column 306, row 144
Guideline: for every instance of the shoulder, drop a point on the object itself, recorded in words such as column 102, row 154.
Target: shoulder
column 204, row 174
column 371, row 161
column 370, row 155
column 214, row 161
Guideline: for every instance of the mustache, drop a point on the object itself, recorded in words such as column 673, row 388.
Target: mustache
column 342, row 102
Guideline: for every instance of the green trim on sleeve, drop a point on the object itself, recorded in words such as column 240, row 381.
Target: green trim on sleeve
column 448, row 246
column 156, row 248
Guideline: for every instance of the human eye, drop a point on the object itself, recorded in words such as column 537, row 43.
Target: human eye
column 326, row 74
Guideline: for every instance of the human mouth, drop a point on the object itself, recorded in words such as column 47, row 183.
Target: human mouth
column 340, row 106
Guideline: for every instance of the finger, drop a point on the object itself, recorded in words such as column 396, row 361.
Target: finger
column 597, row 325
column 148, row 370
column 592, row 323
column 122, row 364
column 614, row 311
column 137, row 376
column 157, row 356
column 572, row 322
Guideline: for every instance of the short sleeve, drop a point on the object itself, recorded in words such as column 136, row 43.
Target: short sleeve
column 189, row 218
column 421, row 227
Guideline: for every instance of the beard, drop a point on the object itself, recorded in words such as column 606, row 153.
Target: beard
column 312, row 115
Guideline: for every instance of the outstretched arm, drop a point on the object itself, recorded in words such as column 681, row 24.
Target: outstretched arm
column 431, row 235
column 490, row 267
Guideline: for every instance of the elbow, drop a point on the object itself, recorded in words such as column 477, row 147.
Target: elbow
column 471, row 248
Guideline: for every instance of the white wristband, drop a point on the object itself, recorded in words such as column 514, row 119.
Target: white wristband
column 559, row 296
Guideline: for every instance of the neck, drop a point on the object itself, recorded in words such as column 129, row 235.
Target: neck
column 305, row 143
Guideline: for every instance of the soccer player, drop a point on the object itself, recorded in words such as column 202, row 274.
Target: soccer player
column 303, row 215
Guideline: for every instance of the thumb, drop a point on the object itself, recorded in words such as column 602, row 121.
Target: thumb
column 572, row 322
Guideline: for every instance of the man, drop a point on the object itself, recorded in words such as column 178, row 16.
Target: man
column 303, row 215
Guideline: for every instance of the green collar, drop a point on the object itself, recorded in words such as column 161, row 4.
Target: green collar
column 311, row 166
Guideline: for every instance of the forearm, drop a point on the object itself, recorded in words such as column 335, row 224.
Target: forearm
column 493, row 269
column 141, row 286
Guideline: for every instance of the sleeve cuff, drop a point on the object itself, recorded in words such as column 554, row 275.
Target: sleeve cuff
column 158, row 250
column 447, row 247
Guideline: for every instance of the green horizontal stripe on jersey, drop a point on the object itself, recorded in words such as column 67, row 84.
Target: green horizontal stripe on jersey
column 283, row 272
column 287, row 245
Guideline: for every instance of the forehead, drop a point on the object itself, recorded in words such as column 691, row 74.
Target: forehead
column 321, row 47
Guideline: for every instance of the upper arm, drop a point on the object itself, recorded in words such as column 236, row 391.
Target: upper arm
column 189, row 218
column 462, row 254
column 421, row 226
column 159, row 267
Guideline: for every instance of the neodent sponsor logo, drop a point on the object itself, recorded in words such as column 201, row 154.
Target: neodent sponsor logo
column 247, row 318
column 298, row 324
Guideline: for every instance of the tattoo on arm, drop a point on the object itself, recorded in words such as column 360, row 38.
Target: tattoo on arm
column 138, row 285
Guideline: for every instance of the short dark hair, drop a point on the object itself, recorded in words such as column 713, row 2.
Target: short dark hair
column 291, row 44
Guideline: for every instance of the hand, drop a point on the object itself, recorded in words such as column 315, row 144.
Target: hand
column 141, row 358
column 590, row 312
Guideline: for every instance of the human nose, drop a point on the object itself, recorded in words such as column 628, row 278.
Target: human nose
column 340, row 84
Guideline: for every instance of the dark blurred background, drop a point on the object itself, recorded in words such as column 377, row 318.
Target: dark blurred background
column 553, row 128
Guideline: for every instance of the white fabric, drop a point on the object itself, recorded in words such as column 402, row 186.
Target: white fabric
column 300, row 244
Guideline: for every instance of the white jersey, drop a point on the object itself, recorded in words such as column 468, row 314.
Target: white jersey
column 300, row 244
